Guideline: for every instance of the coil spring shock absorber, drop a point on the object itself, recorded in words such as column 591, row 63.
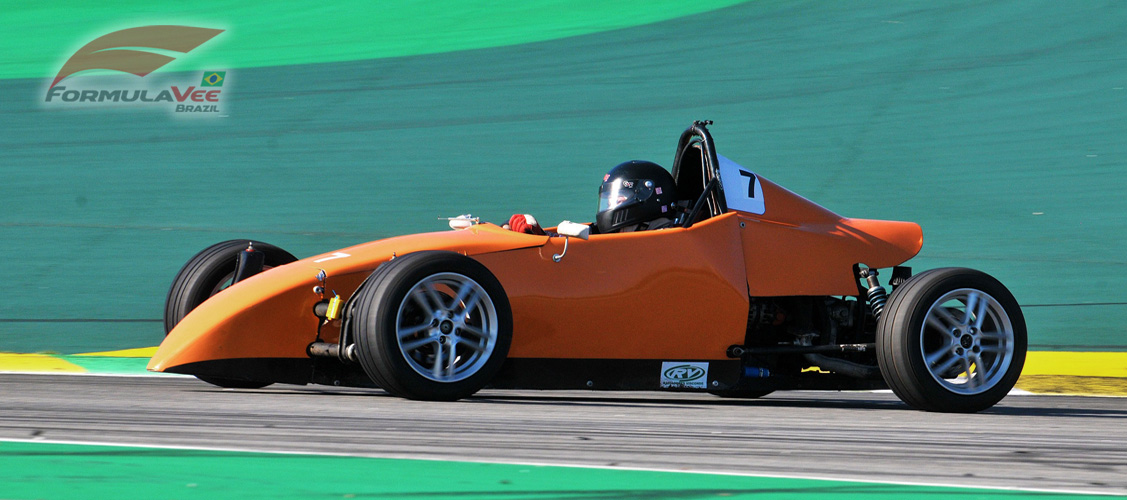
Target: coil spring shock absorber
column 877, row 295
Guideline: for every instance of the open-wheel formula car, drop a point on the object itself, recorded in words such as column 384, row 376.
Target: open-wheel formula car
column 755, row 289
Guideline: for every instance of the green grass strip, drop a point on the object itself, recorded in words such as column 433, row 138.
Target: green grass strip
column 59, row 471
column 110, row 365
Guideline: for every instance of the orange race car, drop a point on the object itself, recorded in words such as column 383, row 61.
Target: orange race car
column 752, row 289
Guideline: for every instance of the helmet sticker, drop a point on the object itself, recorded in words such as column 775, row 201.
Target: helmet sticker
column 644, row 191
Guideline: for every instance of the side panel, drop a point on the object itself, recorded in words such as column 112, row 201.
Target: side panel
column 796, row 247
column 670, row 294
column 818, row 259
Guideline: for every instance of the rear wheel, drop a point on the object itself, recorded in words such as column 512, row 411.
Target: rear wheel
column 208, row 273
column 951, row 340
column 432, row 326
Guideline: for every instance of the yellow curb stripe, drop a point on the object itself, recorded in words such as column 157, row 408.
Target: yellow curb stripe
column 140, row 352
column 1076, row 364
column 40, row 363
column 1073, row 386
column 1045, row 372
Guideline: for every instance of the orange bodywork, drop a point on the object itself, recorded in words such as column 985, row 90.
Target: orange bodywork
column 669, row 294
column 666, row 294
column 799, row 248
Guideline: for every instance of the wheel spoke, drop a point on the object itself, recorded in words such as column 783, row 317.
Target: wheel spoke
column 945, row 320
column 436, row 368
column 934, row 357
column 941, row 370
column 407, row 332
column 475, row 331
column 936, row 323
column 999, row 336
column 419, row 298
column 463, row 294
column 969, row 305
column 979, row 371
column 993, row 348
column 417, row 343
column 470, row 303
column 453, row 357
column 978, row 310
column 428, row 286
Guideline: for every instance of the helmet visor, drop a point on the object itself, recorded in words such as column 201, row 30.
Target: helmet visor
column 619, row 192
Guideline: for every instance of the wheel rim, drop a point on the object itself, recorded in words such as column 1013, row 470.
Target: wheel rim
column 967, row 341
column 446, row 327
column 223, row 284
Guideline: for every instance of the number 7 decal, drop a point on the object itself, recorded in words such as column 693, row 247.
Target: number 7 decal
column 733, row 176
column 750, row 182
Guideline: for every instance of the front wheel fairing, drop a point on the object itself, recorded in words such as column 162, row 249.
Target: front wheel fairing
column 270, row 315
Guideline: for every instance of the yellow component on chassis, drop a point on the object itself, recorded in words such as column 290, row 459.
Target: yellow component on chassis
column 335, row 305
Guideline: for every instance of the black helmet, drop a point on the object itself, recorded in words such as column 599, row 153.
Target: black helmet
column 634, row 192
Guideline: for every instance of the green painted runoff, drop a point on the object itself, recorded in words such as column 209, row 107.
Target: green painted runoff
column 57, row 471
column 39, row 36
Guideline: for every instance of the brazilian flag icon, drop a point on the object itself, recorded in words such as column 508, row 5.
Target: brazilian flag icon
column 213, row 78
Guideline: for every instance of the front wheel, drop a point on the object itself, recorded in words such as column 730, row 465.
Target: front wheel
column 951, row 340
column 431, row 325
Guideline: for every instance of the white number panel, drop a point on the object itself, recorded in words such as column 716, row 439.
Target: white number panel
column 742, row 189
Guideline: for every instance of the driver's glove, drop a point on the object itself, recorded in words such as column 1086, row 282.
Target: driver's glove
column 524, row 223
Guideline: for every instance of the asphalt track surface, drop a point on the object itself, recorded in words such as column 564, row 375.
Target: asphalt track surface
column 1032, row 442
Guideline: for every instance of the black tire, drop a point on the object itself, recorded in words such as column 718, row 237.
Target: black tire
column 741, row 393
column 207, row 274
column 971, row 367
column 388, row 307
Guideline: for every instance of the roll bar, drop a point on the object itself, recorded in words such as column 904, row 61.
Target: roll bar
column 697, row 133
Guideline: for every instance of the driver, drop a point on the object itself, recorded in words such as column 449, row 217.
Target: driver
column 635, row 196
